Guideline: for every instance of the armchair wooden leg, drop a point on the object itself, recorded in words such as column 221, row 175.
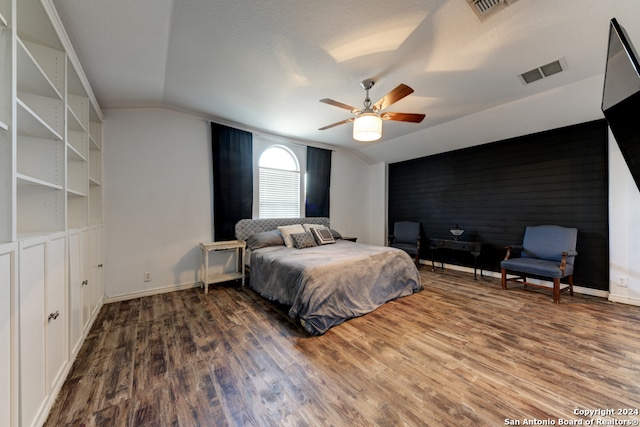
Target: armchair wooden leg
column 570, row 284
column 556, row 290
column 504, row 278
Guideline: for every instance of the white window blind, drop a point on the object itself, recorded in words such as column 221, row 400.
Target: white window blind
column 279, row 193
column 279, row 184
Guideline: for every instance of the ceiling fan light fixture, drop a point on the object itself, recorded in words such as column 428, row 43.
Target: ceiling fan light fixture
column 367, row 127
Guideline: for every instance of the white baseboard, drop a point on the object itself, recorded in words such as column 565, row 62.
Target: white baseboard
column 487, row 273
column 150, row 292
column 624, row 299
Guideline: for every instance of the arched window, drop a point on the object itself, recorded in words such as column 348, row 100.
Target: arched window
column 279, row 183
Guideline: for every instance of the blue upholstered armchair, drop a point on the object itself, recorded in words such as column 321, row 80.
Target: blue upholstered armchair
column 548, row 252
column 406, row 236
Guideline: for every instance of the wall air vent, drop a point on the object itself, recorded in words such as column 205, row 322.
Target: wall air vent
column 485, row 8
column 543, row 71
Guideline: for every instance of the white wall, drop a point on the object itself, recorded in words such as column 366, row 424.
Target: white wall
column 624, row 229
column 349, row 205
column 158, row 204
column 157, row 198
column 378, row 232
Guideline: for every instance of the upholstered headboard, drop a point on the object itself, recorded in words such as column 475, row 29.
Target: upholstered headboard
column 246, row 227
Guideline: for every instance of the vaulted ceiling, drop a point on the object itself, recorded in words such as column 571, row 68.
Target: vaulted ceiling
column 264, row 65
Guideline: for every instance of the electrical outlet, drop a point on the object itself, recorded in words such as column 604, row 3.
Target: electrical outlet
column 622, row 281
column 147, row 276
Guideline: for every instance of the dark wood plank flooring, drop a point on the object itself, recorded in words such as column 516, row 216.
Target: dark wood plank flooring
column 459, row 353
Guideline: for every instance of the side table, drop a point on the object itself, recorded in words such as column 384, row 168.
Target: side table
column 238, row 246
column 474, row 248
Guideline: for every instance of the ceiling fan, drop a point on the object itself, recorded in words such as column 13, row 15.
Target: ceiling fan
column 367, row 123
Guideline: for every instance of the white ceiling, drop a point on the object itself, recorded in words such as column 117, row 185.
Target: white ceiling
column 264, row 65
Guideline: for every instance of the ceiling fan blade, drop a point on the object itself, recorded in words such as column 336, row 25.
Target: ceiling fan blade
column 403, row 117
column 340, row 105
column 392, row 97
column 337, row 124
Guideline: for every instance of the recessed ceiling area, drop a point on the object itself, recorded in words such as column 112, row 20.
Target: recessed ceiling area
column 265, row 65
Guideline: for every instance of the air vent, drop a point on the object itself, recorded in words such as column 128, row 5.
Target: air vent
column 485, row 8
column 542, row 72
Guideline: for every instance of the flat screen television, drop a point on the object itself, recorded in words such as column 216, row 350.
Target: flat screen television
column 621, row 96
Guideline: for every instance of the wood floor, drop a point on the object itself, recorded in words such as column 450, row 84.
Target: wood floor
column 459, row 353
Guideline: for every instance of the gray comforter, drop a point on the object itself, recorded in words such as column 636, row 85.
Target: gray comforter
column 326, row 285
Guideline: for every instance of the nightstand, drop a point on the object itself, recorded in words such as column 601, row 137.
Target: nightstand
column 232, row 245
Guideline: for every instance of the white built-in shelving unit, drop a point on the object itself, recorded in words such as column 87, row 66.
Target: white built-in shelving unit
column 51, row 232
column 7, row 75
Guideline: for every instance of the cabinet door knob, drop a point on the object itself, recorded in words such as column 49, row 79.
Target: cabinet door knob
column 85, row 282
column 53, row 316
column 99, row 265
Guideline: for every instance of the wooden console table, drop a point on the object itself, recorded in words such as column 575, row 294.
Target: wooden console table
column 474, row 248
column 235, row 245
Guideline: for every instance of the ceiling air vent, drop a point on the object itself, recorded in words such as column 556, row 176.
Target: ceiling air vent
column 485, row 8
column 542, row 72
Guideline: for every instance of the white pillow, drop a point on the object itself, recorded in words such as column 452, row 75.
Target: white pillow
column 287, row 231
column 308, row 227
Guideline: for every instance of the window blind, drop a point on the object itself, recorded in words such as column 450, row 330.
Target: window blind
column 279, row 193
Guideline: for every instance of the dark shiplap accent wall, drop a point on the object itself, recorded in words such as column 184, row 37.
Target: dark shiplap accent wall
column 493, row 191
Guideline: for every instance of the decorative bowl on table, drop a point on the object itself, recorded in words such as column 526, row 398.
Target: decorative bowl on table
column 457, row 232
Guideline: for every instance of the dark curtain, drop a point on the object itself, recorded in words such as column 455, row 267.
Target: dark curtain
column 318, row 182
column 232, row 179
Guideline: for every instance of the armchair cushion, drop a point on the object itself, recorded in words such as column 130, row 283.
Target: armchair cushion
column 537, row 267
column 411, row 249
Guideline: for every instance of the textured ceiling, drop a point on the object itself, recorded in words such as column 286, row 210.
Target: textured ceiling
column 263, row 65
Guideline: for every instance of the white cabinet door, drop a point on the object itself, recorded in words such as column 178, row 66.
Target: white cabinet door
column 56, row 309
column 85, row 257
column 75, row 292
column 33, row 390
column 79, row 292
column 97, row 280
column 8, row 381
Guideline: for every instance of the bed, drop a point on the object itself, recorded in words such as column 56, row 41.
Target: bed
column 325, row 283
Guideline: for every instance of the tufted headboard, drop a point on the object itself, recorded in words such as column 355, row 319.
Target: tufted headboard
column 246, row 227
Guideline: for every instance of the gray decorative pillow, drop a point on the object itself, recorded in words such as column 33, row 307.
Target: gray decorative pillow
column 335, row 234
column 303, row 240
column 323, row 235
column 265, row 239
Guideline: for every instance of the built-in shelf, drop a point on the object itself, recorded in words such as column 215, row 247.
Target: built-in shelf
column 3, row 21
column 74, row 154
column 31, row 124
column 24, row 180
column 47, row 114
column 78, row 111
column 73, row 122
column 95, row 135
column 34, row 76
column 75, row 193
